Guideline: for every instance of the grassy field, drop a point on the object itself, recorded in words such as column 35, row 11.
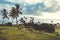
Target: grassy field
column 13, row 33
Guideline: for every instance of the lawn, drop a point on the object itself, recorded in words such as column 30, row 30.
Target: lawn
column 13, row 33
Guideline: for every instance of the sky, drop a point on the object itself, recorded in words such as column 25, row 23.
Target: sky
column 40, row 9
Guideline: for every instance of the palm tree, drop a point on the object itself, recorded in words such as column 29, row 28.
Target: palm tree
column 12, row 13
column 15, row 12
column 4, row 11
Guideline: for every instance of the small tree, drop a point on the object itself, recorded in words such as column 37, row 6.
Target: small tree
column 32, row 20
column 52, row 22
column 23, row 21
column 4, row 14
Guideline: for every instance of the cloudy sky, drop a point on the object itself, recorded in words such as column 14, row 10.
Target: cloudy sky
column 40, row 9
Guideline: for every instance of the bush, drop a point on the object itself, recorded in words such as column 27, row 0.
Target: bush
column 44, row 27
column 8, row 24
column 48, row 28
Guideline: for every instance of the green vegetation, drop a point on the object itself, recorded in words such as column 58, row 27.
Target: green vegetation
column 13, row 33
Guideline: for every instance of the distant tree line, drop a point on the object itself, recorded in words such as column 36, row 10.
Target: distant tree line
column 37, row 26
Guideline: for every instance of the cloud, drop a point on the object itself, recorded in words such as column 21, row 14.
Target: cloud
column 38, row 7
column 46, row 15
column 58, row 2
column 50, row 5
column 31, row 2
column 6, row 6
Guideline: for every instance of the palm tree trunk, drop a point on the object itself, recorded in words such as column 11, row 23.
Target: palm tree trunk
column 3, row 21
column 16, row 22
column 12, row 21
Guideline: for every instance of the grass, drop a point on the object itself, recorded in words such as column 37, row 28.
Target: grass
column 57, row 29
column 13, row 33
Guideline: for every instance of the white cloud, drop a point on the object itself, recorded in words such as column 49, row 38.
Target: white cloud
column 49, row 3
column 33, row 1
column 58, row 2
column 46, row 15
column 55, row 15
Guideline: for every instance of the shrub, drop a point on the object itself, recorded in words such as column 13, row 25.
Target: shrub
column 48, row 27
column 44, row 27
